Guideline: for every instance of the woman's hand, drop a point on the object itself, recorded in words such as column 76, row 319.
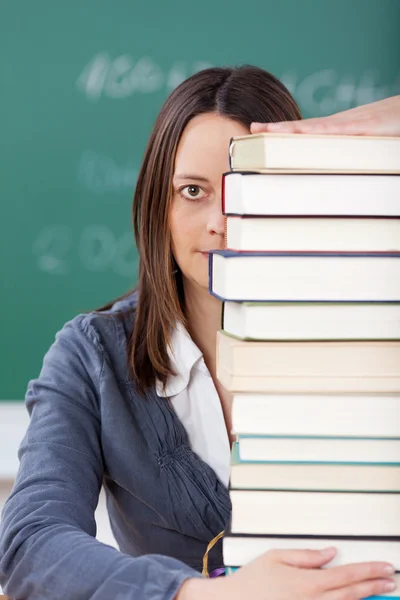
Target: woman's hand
column 378, row 118
column 291, row 575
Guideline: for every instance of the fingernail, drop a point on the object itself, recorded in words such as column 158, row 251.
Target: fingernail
column 389, row 570
column 390, row 586
column 328, row 552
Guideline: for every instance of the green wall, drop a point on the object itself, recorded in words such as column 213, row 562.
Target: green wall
column 81, row 84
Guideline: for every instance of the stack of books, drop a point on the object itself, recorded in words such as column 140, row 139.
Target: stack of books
column 310, row 344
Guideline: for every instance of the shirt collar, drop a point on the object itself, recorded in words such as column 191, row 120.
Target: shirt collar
column 183, row 354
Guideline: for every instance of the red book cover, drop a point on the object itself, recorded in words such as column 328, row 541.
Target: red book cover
column 223, row 193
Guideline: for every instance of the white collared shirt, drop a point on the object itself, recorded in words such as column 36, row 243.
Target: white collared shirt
column 196, row 402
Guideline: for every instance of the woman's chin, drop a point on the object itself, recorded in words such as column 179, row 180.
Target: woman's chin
column 198, row 282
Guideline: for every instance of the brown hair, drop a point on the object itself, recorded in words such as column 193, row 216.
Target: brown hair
column 244, row 94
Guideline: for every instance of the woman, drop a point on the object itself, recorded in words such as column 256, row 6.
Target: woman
column 128, row 398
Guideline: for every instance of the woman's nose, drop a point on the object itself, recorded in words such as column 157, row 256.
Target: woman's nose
column 216, row 220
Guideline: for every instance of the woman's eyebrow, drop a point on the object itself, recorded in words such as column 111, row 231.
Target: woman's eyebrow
column 190, row 176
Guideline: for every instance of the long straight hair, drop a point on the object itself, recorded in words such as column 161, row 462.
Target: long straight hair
column 244, row 94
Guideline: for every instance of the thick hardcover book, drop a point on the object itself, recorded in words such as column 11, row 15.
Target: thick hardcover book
column 347, row 415
column 326, row 234
column 308, row 367
column 304, row 276
column 311, row 320
column 291, row 152
column 317, row 477
column 315, row 513
column 239, row 549
column 310, row 195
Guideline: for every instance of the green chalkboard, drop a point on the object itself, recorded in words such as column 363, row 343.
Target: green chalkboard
column 81, row 84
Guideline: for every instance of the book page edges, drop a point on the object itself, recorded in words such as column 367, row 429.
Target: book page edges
column 308, row 384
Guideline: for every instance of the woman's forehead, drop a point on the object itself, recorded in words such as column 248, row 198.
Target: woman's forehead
column 205, row 140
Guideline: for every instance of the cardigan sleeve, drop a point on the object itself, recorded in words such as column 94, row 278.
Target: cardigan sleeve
column 48, row 549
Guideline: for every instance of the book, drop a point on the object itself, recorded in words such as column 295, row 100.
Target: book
column 314, row 477
column 308, row 367
column 315, row 513
column 355, row 415
column 239, row 550
column 311, row 320
column 304, row 276
column 312, row 449
column 318, row 234
column 277, row 152
column 299, row 194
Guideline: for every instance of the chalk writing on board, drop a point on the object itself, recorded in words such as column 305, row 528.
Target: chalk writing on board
column 51, row 248
column 318, row 93
column 96, row 248
column 125, row 261
column 102, row 174
column 325, row 92
column 123, row 76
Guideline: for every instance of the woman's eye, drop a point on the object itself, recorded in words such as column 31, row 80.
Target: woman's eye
column 191, row 192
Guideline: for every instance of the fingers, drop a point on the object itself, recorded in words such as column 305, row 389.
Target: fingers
column 304, row 126
column 322, row 125
column 337, row 577
column 365, row 589
column 376, row 118
column 303, row 558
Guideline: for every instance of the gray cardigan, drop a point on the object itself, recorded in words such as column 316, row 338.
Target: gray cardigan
column 88, row 427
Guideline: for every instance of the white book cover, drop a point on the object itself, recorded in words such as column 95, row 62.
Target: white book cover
column 319, row 450
column 310, row 195
column 312, row 320
column 348, row 415
column 239, row 550
column 315, row 513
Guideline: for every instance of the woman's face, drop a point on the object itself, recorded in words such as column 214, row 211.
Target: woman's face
column 196, row 220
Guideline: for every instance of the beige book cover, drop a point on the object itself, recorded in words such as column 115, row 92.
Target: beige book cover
column 294, row 152
column 285, row 366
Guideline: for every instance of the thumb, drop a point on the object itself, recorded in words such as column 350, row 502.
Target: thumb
column 306, row 559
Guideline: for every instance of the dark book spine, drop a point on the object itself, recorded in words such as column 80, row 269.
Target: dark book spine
column 223, row 193
column 210, row 282
column 231, row 144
